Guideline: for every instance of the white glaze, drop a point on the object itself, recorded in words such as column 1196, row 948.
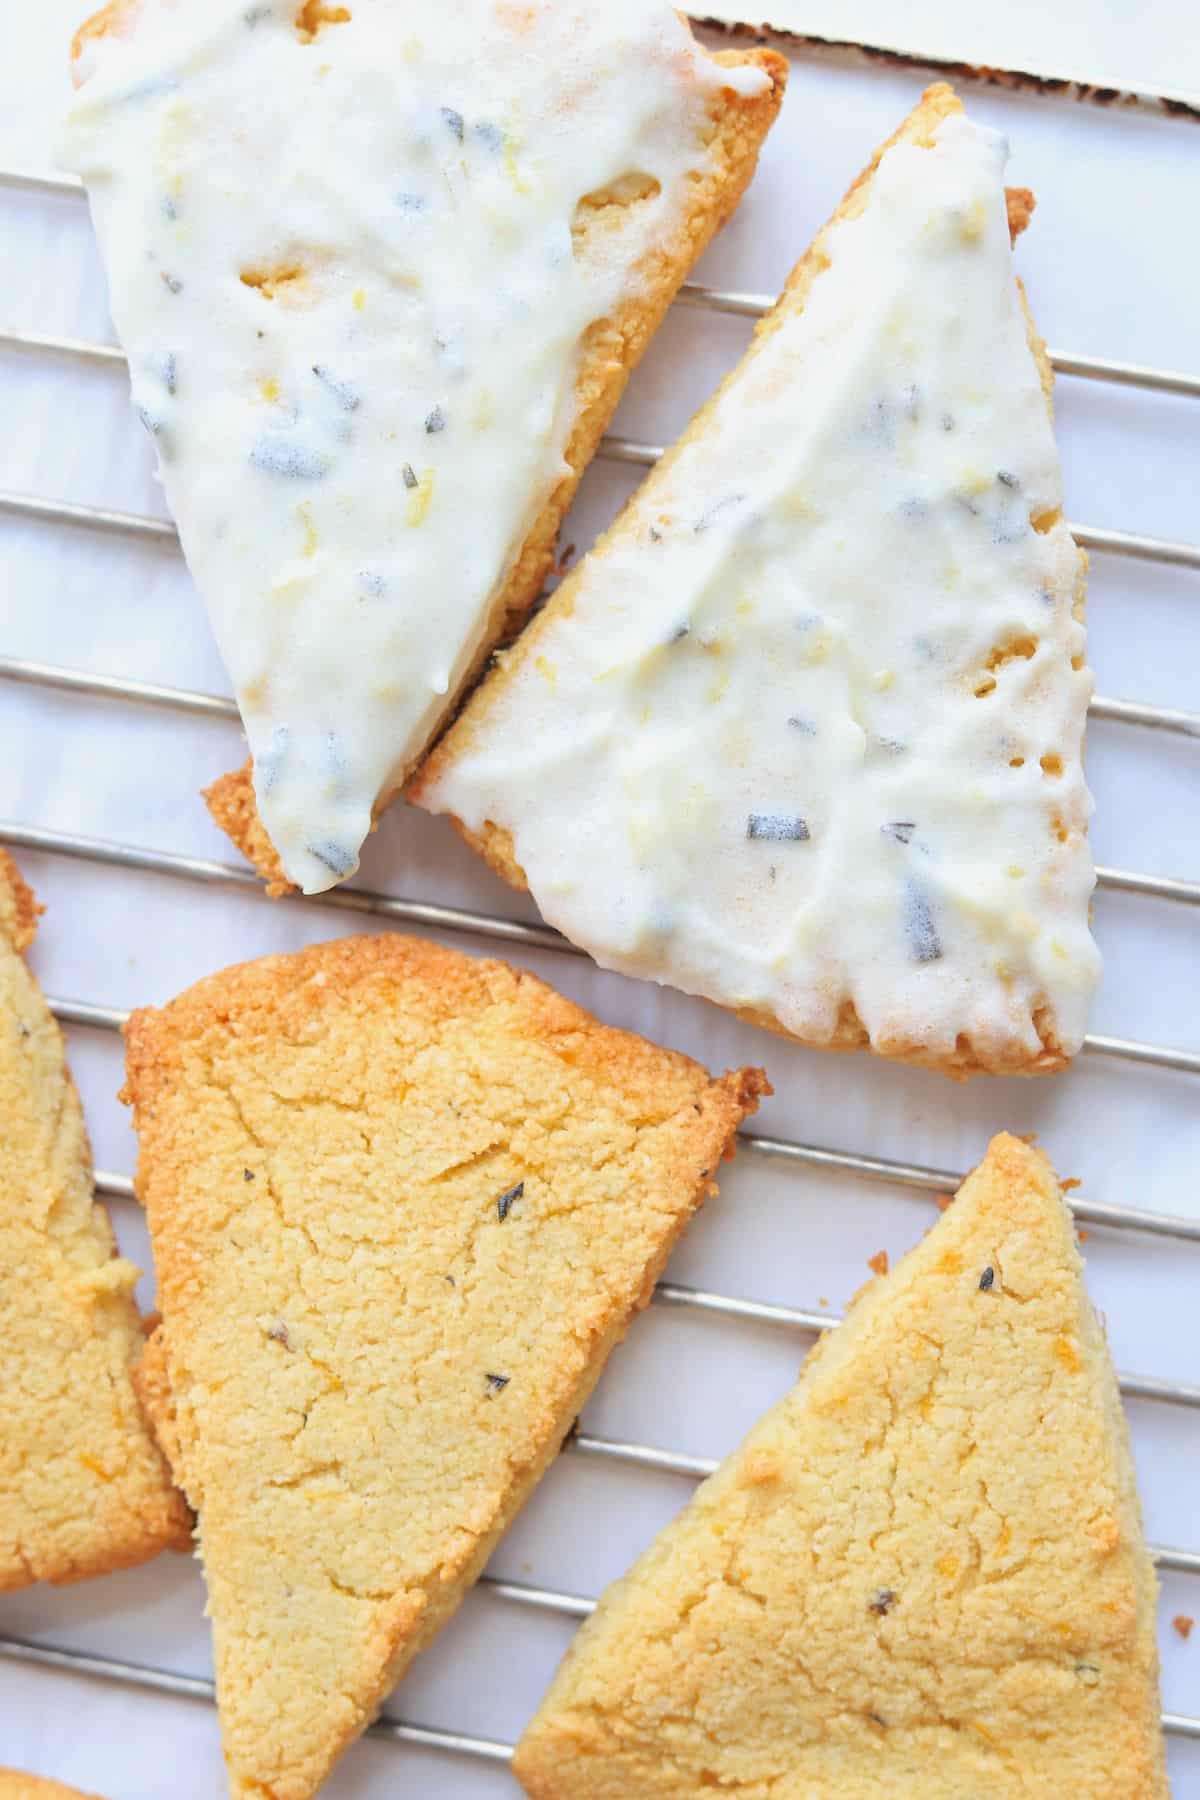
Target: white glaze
column 789, row 626
column 355, row 462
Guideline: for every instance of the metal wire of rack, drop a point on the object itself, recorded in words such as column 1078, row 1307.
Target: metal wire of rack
column 912, row 1177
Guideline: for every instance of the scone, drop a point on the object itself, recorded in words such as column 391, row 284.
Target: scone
column 382, row 271
column 83, row 1488
column 14, row 1785
column 922, row 1573
column 803, row 734
column 403, row 1205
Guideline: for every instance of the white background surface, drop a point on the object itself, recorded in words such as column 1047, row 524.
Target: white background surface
column 1112, row 268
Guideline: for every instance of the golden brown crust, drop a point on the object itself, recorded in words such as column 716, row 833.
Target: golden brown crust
column 367, row 1359
column 83, row 1489
column 494, row 842
column 928, row 1558
column 612, row 348
column 15, row 1785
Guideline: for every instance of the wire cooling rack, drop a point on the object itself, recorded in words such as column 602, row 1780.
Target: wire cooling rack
column 197, row 873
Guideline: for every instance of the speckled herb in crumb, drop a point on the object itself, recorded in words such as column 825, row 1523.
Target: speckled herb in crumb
column 655, row 535
column 254, row 15
column 497, row 1383
column 925, row 946
column 372, row 583
column 777, row 828
column 172, row 283
column 454, row 120
column 508, row 1200
column 435, row 420
column 987, row 1278
column 345, row 395
column 332, row 855
column 282, row 456
column 900, row 829
column 247, row 1174
column 947, row 421
column 412, row 203
column 876, row 1720
column 410, row 476
column 882, row 1601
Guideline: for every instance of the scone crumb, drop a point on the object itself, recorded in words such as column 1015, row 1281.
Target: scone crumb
column 879, row 1262
column 1183, row 1623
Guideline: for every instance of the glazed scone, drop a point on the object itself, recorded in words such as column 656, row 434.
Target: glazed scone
column 15, row 1785
column 382, row 272
column 403, row 1205
column 803, row 733
column 83, row 1488
column 922, row 1573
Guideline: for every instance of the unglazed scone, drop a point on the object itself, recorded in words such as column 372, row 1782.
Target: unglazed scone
column 803, row 734
column 922, row 1574
column 382, row 271
column 15, row 1785
column 403, row 1204
column 83, row 1488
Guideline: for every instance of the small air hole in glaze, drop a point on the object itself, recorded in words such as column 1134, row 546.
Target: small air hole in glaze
column 1052, row 763
column 1046, row 521
column 314, row 16
column 1016, row 762
column 614, row 198
column 270, row 283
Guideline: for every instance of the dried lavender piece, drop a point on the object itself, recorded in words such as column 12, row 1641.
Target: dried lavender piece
column 266, row 765
column 508, row 1200
column 777, row 828
column 454, row 120
column 923, row 940
column 986, row 1279
column 900, row 829
column 332, row 855
column 712, row 513
column 280, row 456
column 679, row 633
column 802, row 725
column 435, row 420
column 412, row 203
column 372, row 583
column 170, row 372
column 1009, row 481
column 489, row 134
column 342, row 391
column 410, row 476
column 497, row 1383
column 171, row 282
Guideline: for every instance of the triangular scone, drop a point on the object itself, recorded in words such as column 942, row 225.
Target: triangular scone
column 803, row 733
column 382, row 271
column 15, row 1785
column 921, row 1574
column 83, row 1488
column 403, row 1205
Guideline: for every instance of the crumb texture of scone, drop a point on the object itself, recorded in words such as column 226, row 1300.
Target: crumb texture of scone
column 403, row 1204
column 15, row 1785
column 803, row 733
column 83, row 1488
column 923, row 1573
column 378, row 269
